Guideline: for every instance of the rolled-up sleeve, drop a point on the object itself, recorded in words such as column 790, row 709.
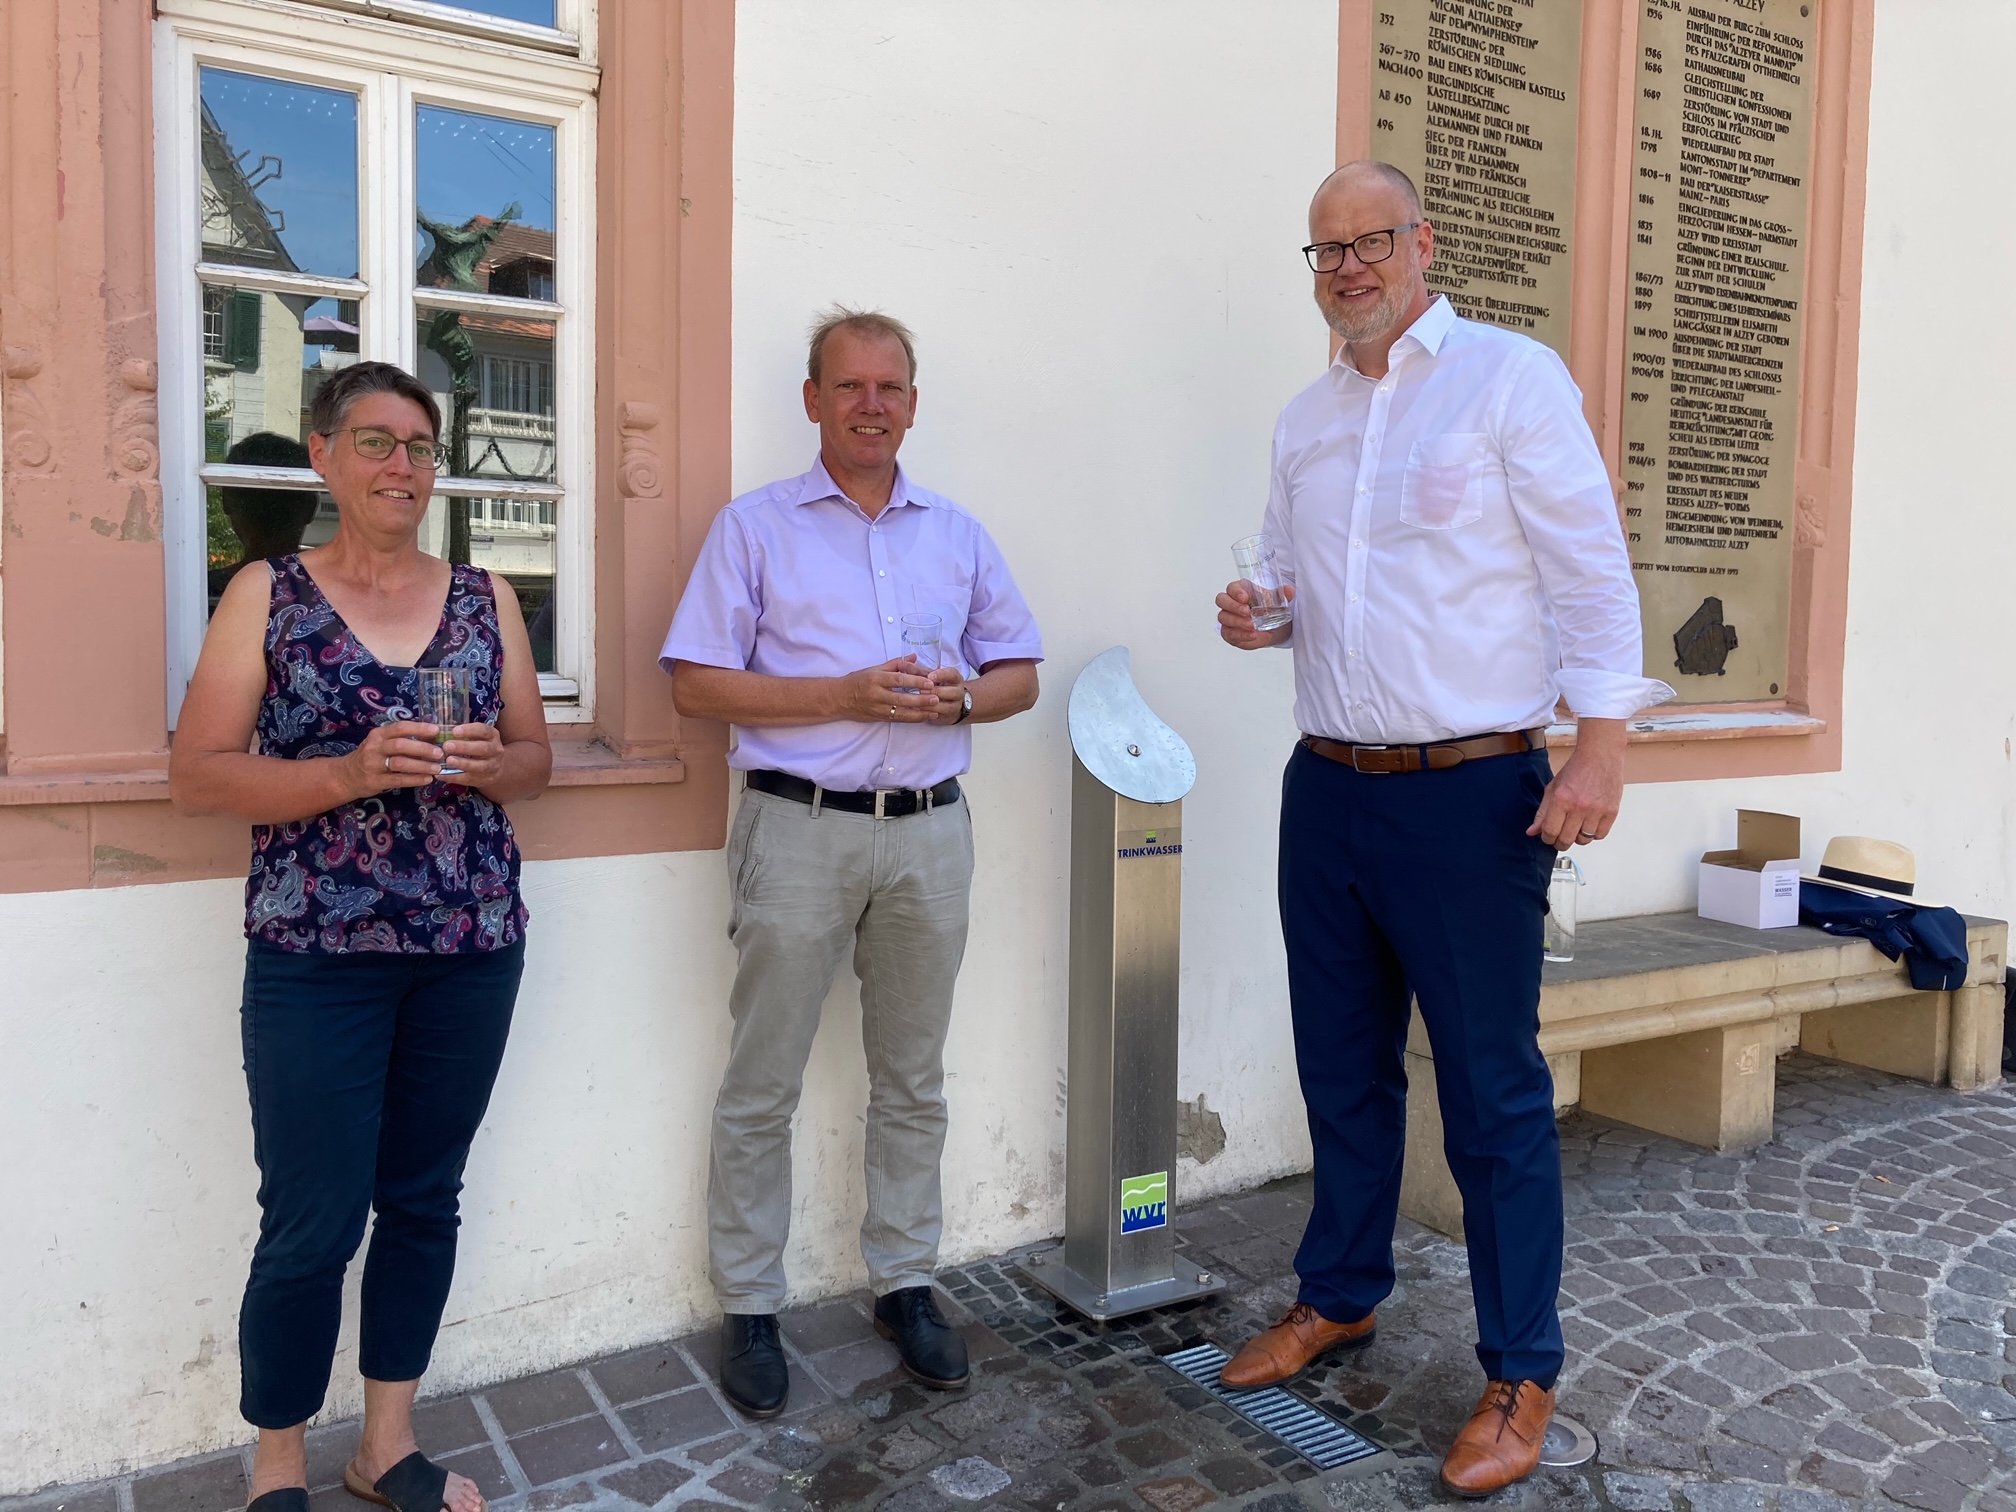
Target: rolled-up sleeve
column 1561, row 493
column 999, row 626
column 715, row 623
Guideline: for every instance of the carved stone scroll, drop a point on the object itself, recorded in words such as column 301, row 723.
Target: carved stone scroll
column 29, row 448
column 641, row 472
column 136, row 429
column 136, row 450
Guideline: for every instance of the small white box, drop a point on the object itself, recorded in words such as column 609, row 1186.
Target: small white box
column 1756, row 884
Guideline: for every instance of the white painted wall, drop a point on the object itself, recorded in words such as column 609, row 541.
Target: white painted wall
column 129, row 1197
column 1090, row 215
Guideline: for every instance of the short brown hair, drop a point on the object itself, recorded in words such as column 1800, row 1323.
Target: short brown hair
column 861, row 323
column 334, row 398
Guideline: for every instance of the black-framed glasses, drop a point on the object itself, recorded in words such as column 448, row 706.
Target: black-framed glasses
column 1372, row 247
column 376, row 445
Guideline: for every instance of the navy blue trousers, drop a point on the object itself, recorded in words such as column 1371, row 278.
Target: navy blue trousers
column 1425, row 885
column 369, row 1076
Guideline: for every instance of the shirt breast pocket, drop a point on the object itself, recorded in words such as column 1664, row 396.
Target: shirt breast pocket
column 1443, row 487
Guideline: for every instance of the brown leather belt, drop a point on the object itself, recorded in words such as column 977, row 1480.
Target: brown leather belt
column 1435, row 756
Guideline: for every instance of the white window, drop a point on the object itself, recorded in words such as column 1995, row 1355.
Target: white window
column 345, row 180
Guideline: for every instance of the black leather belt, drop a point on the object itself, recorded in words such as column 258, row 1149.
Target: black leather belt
column 1435, row 756
column 883, row 803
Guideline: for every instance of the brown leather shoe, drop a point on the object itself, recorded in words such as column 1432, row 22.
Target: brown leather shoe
column 1501, row 1442
column 1291, row 1347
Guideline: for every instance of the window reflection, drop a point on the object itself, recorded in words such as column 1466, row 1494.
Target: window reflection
column 278, row 188
column 264, row 357
column 515, row 538
column 249, row 523
column 493, row 377
column 484, row 204
column 535, row 12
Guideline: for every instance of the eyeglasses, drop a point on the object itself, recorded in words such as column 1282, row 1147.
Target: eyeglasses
column 377, row 445
column 1372, row 247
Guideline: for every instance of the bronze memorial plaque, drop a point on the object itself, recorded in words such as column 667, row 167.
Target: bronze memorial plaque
column 1476, row 99
column 1711, row 385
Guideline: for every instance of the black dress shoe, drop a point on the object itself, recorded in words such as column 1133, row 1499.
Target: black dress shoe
column 753, row 1374
column 932, row 1352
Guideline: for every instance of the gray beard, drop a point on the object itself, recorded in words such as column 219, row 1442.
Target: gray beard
column 1355, row 322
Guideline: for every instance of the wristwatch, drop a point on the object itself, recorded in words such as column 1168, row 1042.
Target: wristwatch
column 966, row 709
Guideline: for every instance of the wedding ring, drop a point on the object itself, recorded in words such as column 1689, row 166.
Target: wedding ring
column 1588, row 834
column 892, row 711
column 388, row 763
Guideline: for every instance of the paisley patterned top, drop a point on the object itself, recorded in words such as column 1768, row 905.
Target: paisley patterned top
column 429, row 870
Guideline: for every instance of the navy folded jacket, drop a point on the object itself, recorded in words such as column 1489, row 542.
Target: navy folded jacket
column 1933, row 941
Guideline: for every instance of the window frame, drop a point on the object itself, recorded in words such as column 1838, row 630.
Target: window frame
column 567, row 35
column 357, row 48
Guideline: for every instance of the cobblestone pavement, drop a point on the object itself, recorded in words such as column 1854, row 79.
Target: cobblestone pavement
column 1826, row 1324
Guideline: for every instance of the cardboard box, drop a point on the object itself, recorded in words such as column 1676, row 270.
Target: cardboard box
column 1756, row 884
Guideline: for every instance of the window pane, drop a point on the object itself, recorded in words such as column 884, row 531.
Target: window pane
column 279, row 181
column 537, row 12
column 514, row 538
column 264, row 357
column 249, row 524
column 493, row 376
column 522, row 554
column 485, row 204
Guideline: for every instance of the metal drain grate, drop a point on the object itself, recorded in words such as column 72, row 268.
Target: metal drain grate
column 1309, row 1431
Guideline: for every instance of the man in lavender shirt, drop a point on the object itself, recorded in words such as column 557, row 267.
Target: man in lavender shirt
column 851, row 827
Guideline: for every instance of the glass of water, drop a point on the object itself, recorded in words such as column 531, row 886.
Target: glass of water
column 1253, row 559
column 443, row 700
column 920, row 639
column 1557, row 931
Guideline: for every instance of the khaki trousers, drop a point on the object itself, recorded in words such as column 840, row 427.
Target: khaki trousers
column 804, row 886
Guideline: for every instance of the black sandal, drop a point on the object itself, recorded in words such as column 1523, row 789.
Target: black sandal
column 286, row 1499
column 415, row 1484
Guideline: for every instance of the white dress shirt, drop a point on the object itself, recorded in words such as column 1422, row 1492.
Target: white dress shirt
column 1454, row 544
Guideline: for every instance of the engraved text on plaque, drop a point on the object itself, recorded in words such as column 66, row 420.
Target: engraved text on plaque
column 1476, row 100
column 1718, row 236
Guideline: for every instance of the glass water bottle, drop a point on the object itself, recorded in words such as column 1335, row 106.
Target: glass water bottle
column 1557, row 937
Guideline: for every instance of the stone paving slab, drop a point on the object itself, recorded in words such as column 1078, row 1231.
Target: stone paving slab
column 1825, row 1325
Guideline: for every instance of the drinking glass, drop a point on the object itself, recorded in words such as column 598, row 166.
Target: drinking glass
column 443, row 700
column 1557, row 931
column 920, row 639
column 1253, row 559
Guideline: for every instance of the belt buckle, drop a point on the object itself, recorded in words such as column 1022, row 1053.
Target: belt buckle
column 1375, row 771
column 881, row 797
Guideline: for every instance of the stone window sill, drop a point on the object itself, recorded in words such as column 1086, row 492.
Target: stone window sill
column 576, row 763
column 1665, row 726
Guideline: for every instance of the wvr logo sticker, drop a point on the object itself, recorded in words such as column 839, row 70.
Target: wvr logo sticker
column 1144, row 1202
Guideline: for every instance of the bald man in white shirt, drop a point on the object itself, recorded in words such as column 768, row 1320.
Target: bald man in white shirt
column 1448, row 529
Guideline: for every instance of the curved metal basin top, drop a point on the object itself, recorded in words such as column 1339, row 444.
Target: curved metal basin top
column 1119, row 738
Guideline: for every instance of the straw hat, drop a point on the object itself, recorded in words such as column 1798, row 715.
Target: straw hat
column 1881, row 868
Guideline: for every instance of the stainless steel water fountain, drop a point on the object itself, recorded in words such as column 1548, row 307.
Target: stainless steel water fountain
column 1129, row 772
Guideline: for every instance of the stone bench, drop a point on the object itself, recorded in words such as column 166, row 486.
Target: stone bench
column 1674, row 1023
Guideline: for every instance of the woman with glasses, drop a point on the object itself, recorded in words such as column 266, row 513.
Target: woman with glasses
column 385, row 931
